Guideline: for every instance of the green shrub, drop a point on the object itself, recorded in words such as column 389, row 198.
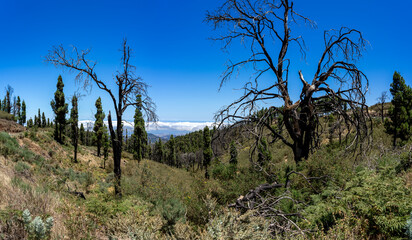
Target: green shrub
column 22, row 167
column 223, row 171
column 379, row 199
column 7, row 116
column 172, row 210
column 36, row 228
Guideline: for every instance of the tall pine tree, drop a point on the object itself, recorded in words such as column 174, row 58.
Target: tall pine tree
column 172, row 151
column 233, row 153
column 60, row 109
column 18, row 109
column 43, row 120
column 23, row 113
column 74, row 121
column 98, row 125
column 82, row 134
column 399, row 123
column 139, row 136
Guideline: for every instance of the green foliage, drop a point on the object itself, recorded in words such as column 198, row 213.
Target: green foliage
column 36, row 228
column 74, row 122
column 172, row 210
column 98, row 125
column 171, row 156
column 379, row 199
column 405, row 162
column 7, row 116
column 82, row 134
column 233, row 153
column 399, row 123
column 139, row 136
column 223, row 171
column 22, row 119
column 22, row 167
column 60, row 108
column 264, row 155
column 158, row 151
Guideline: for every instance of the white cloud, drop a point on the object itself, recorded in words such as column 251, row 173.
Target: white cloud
column 178, row 126
column 159, row 126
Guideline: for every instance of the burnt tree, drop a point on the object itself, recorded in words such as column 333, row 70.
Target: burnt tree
column 265, row 28
column 128, row 84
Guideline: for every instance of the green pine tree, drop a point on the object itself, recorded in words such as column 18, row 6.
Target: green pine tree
column 98, row 125
column 264, row 155
column 399, row 123
column 233, row 153
column 18, row 109
column 172, row 151
column 158, row 151
column 43, row 121
column 38, row 123
column 74, row 122
column 82, row 134
column 60, row 109
column 22, row 119
column 139, row 136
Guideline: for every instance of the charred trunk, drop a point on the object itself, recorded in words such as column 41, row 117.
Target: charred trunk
column 117, row 153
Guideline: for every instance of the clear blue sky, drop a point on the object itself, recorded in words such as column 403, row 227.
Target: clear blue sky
column 172, row 52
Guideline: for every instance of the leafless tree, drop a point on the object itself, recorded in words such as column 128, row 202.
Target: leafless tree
column 381, row 101
column 338, row 87
column 129, row 85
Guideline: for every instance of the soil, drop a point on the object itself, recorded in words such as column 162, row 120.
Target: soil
column 10, row 126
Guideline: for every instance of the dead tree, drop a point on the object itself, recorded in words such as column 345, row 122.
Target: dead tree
column 381, row 101
column 265, row 28
column 128, row 87
column 267, row 199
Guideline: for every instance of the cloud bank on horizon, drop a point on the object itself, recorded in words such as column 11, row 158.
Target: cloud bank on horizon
column 160, row 127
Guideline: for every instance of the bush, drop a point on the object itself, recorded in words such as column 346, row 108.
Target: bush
column 7, row 116
column 172, row 210
column 223, row 171
column 379, row 199
column 232, row 225
column 22, row 168
column 36, row 228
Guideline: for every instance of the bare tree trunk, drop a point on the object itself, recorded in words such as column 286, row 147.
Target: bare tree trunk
column 117, row 153
column 75, row 151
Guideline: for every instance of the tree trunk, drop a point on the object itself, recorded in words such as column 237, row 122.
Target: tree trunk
column 75, row 152
column 98, row 147
column 117, row 153
column 299, row 152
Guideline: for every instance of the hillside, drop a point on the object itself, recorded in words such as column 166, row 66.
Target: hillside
column 161, row 202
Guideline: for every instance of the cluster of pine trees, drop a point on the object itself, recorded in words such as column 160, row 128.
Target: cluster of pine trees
column 39, row 121
column 15, row 107
column 96, row 135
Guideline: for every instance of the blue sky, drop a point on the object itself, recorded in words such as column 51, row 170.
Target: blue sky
column 172, row 52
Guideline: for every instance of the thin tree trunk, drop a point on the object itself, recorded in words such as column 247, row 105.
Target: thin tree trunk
column 116, row 143
column 98, row 147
